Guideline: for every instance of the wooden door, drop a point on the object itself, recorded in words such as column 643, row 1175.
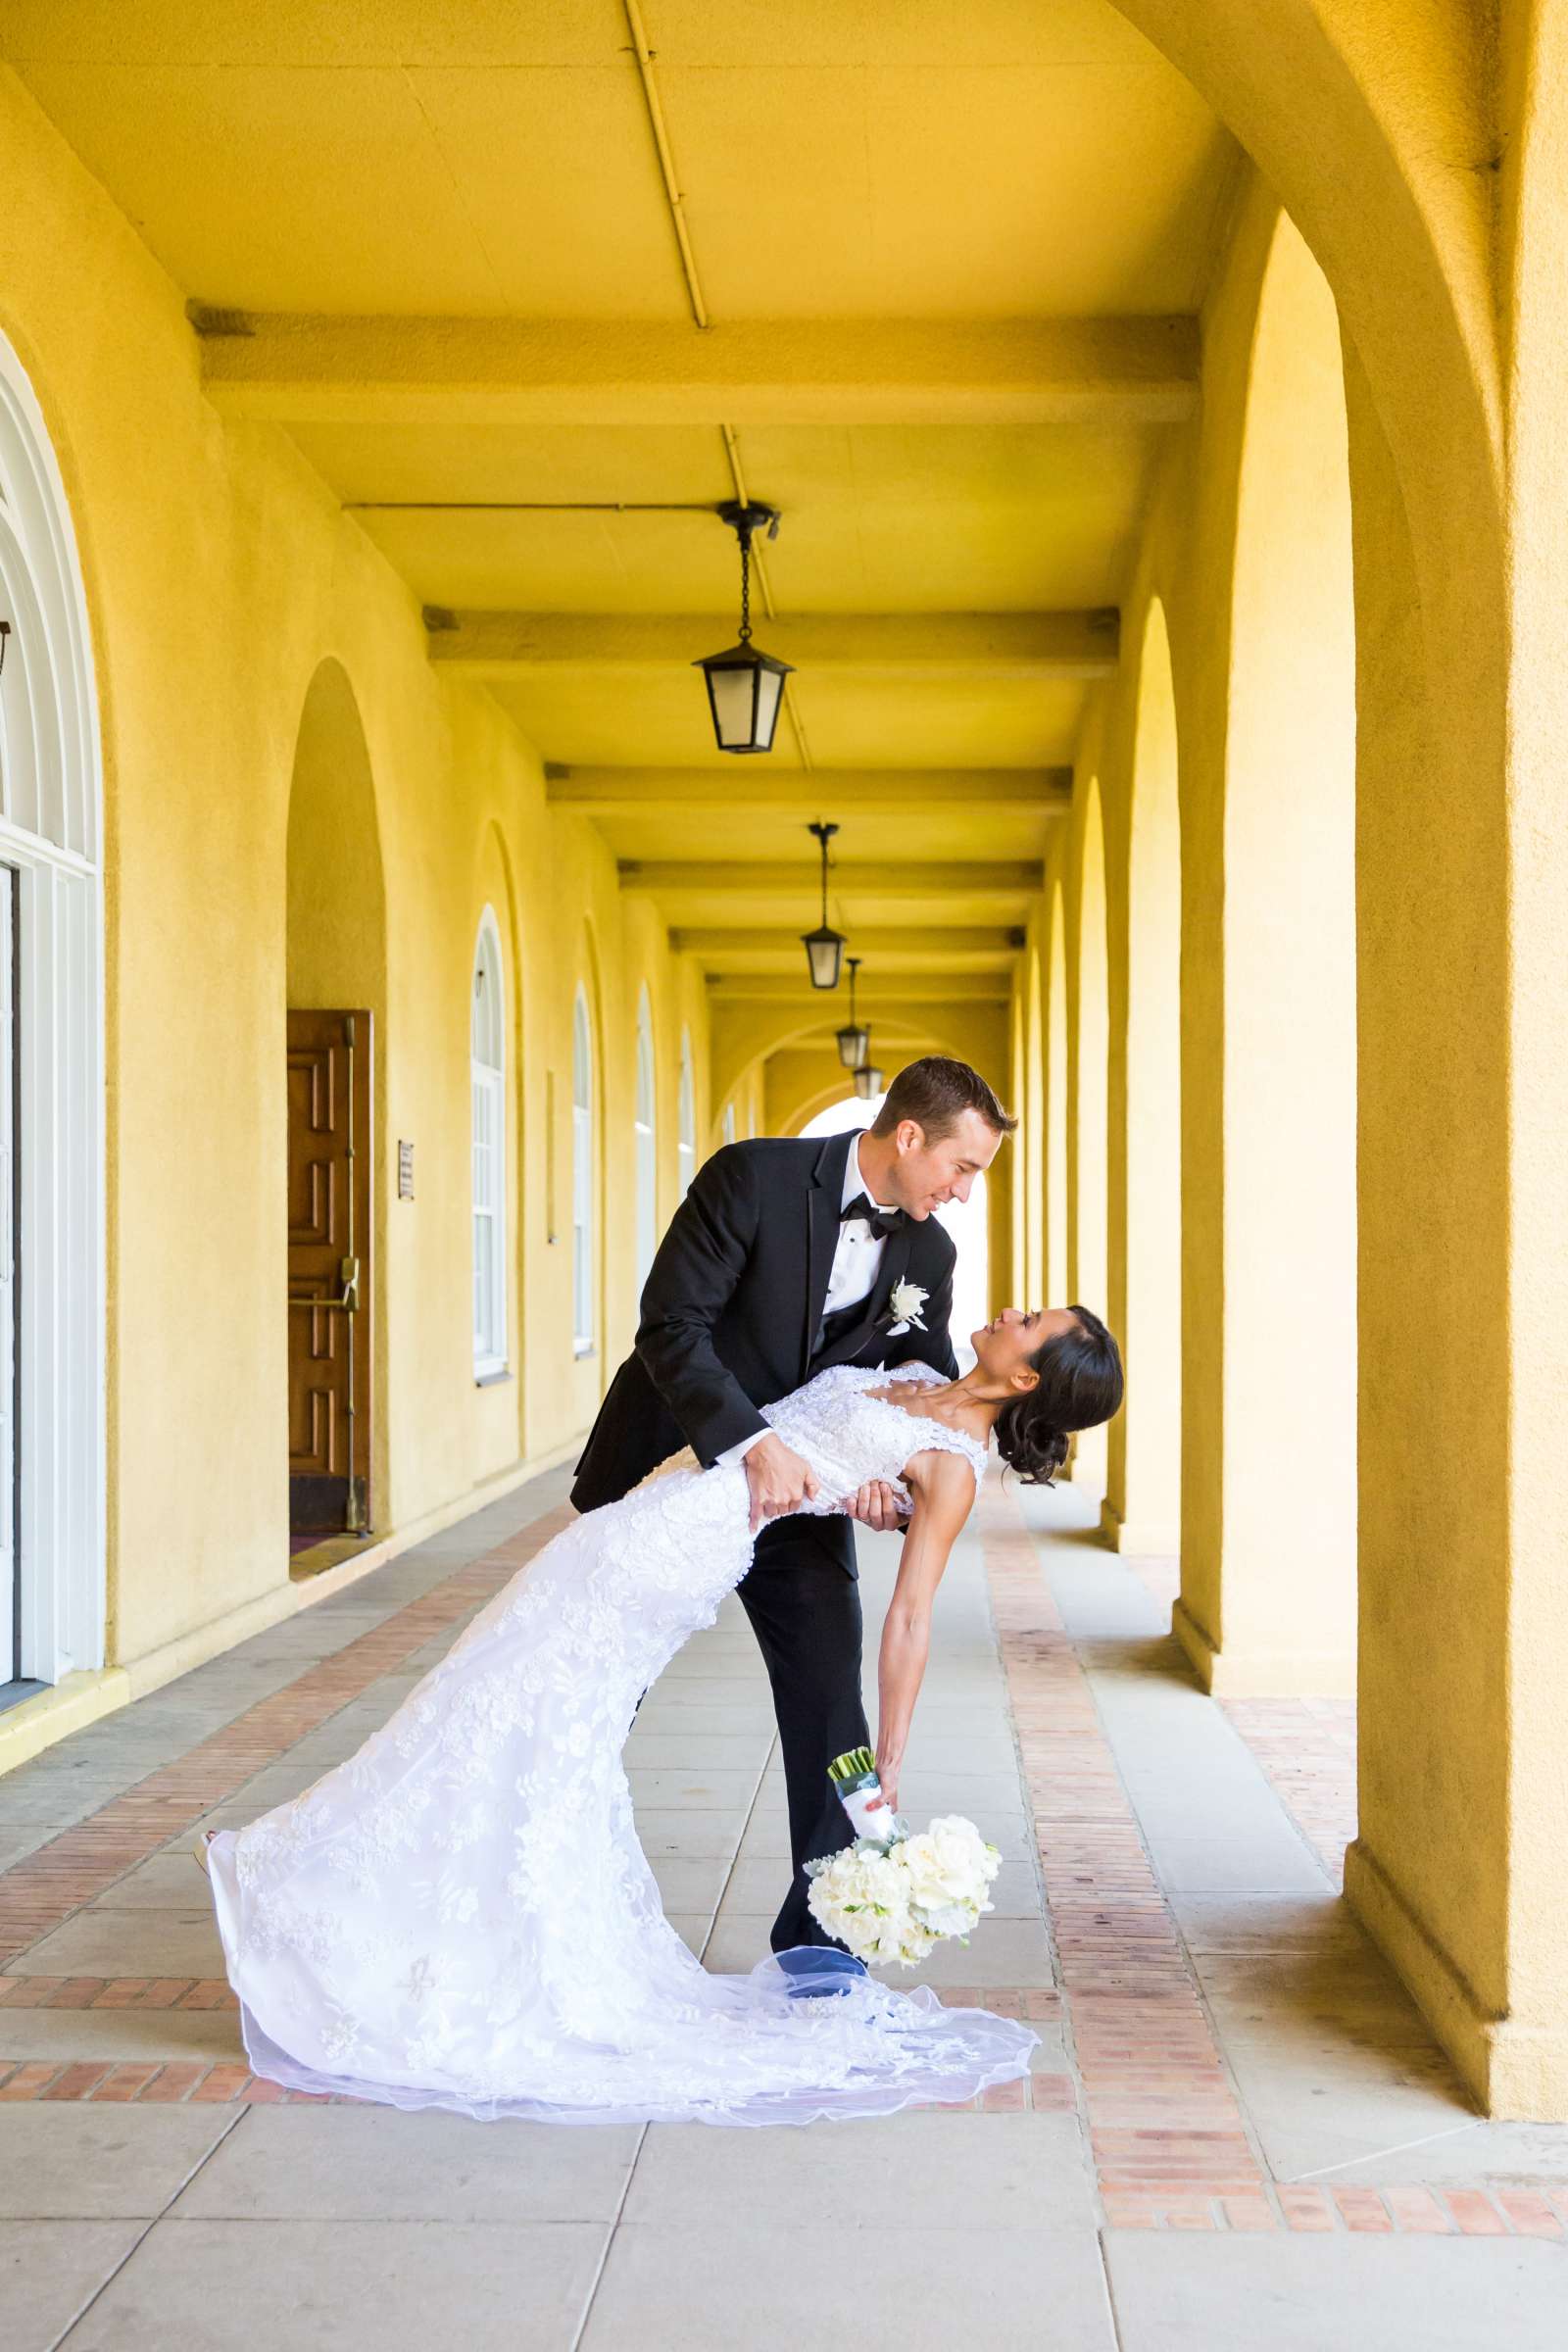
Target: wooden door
column 330, row 1154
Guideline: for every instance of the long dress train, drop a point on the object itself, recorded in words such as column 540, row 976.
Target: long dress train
column 461, row 1915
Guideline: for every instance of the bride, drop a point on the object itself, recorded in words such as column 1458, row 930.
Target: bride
column 461, row 1915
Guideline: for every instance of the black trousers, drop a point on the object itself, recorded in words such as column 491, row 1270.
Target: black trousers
column 804, row 1604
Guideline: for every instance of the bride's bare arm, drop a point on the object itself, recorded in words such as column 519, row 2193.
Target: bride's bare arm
column 944, row 1490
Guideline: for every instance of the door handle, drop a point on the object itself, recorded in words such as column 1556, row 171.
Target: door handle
column 347, row 1301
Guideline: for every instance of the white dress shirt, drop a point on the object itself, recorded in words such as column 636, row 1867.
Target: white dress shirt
column 857, row 1258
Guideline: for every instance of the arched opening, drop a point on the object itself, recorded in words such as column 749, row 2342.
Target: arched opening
column 52, row 1365
column 686, row 1140
column 584, row 1179
column 966, row 1220
column 487, row 1087
column 1268, row 1570
column 646, row 1131
column 1091, row 1055
column 1143, row 1502
column 336, row 1205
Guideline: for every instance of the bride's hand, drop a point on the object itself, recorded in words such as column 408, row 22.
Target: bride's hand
column 875, row 1507
column 887, row 1773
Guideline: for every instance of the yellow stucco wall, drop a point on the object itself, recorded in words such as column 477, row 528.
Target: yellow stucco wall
column 220, row 578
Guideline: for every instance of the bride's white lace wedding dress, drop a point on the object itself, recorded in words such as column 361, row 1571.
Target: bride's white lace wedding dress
column 461, row 1915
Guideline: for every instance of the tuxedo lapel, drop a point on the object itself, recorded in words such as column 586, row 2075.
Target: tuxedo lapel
column 824, row 1197
column 894, row 1264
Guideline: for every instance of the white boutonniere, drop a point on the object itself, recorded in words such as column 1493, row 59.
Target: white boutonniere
column 904, row 1306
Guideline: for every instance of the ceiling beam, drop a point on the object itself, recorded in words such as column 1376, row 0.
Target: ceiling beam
column 293, row 368
column 749, row 946
column 789, row 791
column 906, row 988
column 933, row 644
column 759, row 878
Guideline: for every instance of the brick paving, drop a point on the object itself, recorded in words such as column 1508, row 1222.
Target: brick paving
column 42, row 1891
column 1167, row 2132
column 1306, row 1748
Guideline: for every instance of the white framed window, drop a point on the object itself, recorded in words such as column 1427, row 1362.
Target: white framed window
column 488, row 1082
column 52, row 1359
column 583, row 1174
column 647, row 1133
column 728, row 1124
column 687, row 1145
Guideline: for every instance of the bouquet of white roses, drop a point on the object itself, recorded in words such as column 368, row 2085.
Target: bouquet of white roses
column 891, row 1895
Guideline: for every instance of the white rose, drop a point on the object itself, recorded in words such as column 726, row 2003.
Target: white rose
column 905, row 1302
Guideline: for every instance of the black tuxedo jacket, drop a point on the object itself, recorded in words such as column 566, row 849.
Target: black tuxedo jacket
column 732, row 1304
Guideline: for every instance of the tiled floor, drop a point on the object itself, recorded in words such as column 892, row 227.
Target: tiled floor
column 1237, row 2133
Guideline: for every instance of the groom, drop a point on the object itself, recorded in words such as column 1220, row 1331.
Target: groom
column 782, row 1259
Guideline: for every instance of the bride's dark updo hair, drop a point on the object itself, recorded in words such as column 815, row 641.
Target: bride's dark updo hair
column 1080, row 1384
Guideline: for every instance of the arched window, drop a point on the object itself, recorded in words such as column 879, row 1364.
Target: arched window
column 728, row 1124
column 687, row 1147
column 647, row 1144
column 52, row 1518
column 487, row 1057
column 582, row 1178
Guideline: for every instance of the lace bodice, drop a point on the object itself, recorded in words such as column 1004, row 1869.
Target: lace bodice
column 849, row 1436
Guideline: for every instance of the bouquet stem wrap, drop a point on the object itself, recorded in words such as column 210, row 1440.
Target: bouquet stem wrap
column 891, row 1896
column 859, row 1792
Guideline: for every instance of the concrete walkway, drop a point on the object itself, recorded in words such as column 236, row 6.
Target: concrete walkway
column 1239, row 2133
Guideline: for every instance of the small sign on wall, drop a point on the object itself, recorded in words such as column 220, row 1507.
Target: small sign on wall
column 405, row 1170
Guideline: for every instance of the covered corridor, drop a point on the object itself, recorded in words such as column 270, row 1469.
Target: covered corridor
column 1237, row 2124
column 1164, row 407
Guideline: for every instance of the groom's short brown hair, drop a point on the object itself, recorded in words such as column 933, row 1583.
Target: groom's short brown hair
column 936, row 1092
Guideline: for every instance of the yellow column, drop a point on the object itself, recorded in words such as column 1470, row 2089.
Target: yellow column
column 1142, row 1509
column 1088, row 1057
column 1054, row 1089
column 1463, row 1001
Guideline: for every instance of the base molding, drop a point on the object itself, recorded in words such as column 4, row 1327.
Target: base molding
column 69, row 1705
column 1518, row 2071
column 1261, row 1672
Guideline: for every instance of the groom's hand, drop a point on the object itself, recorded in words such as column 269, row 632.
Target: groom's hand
column 875, row 1507
column 778, row 1478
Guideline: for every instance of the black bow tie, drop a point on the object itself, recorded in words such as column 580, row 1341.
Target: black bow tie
column 882, row 1221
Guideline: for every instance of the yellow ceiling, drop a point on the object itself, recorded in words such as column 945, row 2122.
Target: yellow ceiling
column 878, row 519
column 839, row 161
column 952, row 160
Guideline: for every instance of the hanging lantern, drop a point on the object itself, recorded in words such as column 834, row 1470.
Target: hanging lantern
column 869, row 1082
column 824, row 946
column 854, row 1042
column 745, row 685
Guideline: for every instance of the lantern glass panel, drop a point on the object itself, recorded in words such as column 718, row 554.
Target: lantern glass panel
column 824, row 951
column 734, row 704
column 869, row 1082
column 769, row 687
